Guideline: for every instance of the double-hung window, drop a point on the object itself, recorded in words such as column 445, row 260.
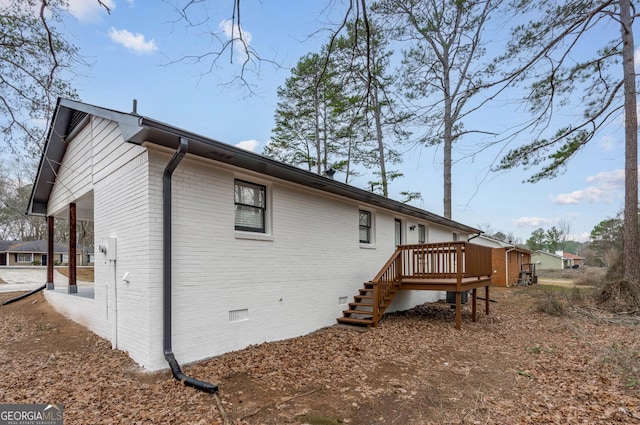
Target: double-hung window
column 251, row 205
column 365, row 226
column 422, row 233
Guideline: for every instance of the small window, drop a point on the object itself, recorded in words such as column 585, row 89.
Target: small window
column 455, row 237
column 250, row 203
column 422, row 233
column 23, row 258
column 365, row 226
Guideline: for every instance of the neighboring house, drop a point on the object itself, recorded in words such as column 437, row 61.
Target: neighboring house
column 571, row 260
column 507, row 260
column 3, row 253
column 548, row 261
column 205, row 248
column 30, row 253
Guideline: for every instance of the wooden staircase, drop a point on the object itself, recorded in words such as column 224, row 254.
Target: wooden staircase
column 361, row 310
column 456, row 266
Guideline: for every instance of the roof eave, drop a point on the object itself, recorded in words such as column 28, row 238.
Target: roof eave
column 55, row 146
column 242, row 158
column 138, row 129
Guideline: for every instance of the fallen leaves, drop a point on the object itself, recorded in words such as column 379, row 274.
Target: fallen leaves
column 514, row 366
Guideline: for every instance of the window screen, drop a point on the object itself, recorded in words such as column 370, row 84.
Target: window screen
column 250, row 204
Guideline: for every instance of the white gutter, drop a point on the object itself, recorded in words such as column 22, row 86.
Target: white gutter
column 506, row 265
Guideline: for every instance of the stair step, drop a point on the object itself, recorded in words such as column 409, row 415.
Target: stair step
column 365, row 291
column 360, row 304
column 360, row 312
column 363, row 297
column 352, row 321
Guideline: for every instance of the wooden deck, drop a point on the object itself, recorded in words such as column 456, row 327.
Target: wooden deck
column 450, row 266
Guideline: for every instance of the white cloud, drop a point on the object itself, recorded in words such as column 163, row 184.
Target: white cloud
column 248, row 145
column 89, row 11
column 579, row 237
column 605, row 187
column 241, row 39
column 532, row 222
column 608, row 143
column 135, row 42
column 615, row 178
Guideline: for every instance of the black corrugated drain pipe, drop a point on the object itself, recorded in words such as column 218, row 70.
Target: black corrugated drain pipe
column 28, row 294
column 166, row 209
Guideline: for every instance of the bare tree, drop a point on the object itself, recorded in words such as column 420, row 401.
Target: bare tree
column 564, row 226
column 33, row 56
column 443, row 66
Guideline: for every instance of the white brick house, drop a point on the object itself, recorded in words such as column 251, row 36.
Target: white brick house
column 258, row 250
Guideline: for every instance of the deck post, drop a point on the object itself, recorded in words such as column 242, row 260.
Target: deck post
column 474, row 302
column 73, row 287
column 50, row 238
column 486, row 299
column 458, row 310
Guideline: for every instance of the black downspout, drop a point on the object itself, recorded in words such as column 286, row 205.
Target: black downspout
column 166, row 209
column 473, row 237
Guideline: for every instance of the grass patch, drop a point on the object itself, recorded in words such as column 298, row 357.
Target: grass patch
column 626, row 360
column 575, row 275
column 84, row 274
column 557, row 300
column 551, row 305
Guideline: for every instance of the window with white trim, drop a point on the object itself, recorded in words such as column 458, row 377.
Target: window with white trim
column 250, row 206
column 365, row 226
column 422, row 233
column 24, row 258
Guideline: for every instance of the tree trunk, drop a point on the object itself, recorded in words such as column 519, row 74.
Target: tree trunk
column 447, row 138
column 630, row 259
column 318, row 145
column 378, row 120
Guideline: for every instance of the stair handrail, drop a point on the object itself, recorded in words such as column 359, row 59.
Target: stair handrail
column 388, row 275
column 455, row 259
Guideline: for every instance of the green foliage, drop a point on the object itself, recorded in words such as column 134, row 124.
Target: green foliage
column 334, row 111
column 537, row 240
column 303, row 135
column 606, row 240
column 562, row 56
column 408, row 196
column 553, row 238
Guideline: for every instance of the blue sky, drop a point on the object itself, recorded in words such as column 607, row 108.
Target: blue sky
column 130, row 53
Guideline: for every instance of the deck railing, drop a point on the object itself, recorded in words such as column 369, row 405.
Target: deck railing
column 444, row 260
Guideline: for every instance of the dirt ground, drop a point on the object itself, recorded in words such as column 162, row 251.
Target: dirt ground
column 514, row 366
